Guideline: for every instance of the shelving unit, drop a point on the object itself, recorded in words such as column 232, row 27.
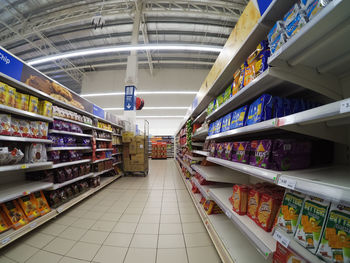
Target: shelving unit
column 26, row 166
column 103, row 140
column 68, row 148
column 101, row 160
column 23, row 139
column 81, row 124
column 200, row 133
column 25, row 114
column 194, row 158
column 186, row 166
column 58, row 165
column 104, row 149
column 102, row 172
column 57, row 186
column 114, row 154
column 204, row 153
column 70, row 133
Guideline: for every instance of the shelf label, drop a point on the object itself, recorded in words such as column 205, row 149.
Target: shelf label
column 60, row 210
column 281, row 238
column 5, row 240
column 287, row 183
column 345, row 106
column 33, row 225
column 23, row 166
column 228, row 213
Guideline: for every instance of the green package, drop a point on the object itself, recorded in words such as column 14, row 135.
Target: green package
column 211, row 106
column 228, row 93
column 219, row 101
column 335, row 243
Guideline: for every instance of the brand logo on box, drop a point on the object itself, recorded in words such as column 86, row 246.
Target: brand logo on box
column 5, row 59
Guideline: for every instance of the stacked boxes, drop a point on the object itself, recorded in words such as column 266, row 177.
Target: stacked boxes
column 135, row 158
column 159, row 150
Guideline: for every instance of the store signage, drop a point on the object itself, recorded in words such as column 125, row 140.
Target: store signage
column 129, row 98
column 286, row 182
column 10, row 66
column 97, row 111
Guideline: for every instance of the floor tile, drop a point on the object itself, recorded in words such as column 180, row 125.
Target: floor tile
column 170, row 219
column 190, row 228
column 150, row 229
column 109, row 216
column 96, row 237
column 144, row 241
column 171, row 241
column 149, row 219
column 202, row 255
column 53, row 229
column 138, row 255
column 134, row 210
column 66, row 220
column 93, row 215
column 4, row 259
column 174, row 255
column 103, row 225
column 59, row 245
column 198, row 240
column 107, row 254
column 170, row 211
column 37, row 239
column 121, row 227
column 82, row 250
column 84, row 223
column 190, row 218
column 129, row 218
column 72, row 260
column 151, row 211
column 170, row 229
column 118, row 240
column 44, row 257
column 20, row 252
column 73, row 233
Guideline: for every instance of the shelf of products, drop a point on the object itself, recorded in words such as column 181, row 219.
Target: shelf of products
column 68, row 148
column 104, row 149
column 102, row 172
column 116, row 163
column 101, row 160
column 25, row 114
column 198, row 144
column 103, row 140
column 81, row 124
column 101, row 129
column 204, row 153
column 23, row 139
column 114, row 154
column 26, row 166
column 57, row 186
column 70, row 133
column 200, row 134
column 201, row 117
column 58, row 165
column 194, row 158
column 186, row 166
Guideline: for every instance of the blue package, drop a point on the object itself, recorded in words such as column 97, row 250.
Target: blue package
column 260, row 110
column 279, row 41
column 262, row 63
column 315, row 7
column 211, row 129
column 295, row 25
column 275, row 32
column 226, row 121
column 287, row 107
column 298, row 105
column 217, row 128
column 238, row 117
column 278, row 110
column 291, row 14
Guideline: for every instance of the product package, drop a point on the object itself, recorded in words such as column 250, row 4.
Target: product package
column 5, row 124
column 254, row 196
column 3, row 93
column 45, row 108
column 3, row 224
column 238, row 117
column 211, row 107
column 217, row 127
column 267, row 210
column 220, row 150
column 15, row 127
column 29, row 207
column 212, row 149
column 14, row 213
column 260, row 110
column 278, row 110
column 295, row 25
column 290, row 210
column 291, row 14
column 228, row 148
column 219, row 101
column 228, row 93
column 226, row 121
column 335, row 243
column 211, row 129
column 260, row 153
column 35, row 152
column 240, row 83
column 314, row 7
column 241, row 152
column 236, row 83
column 239, row 199
column 278, row 43
column 311, row 222
column 33, row 104
column 275, row 32
column 22, row 101
column 285, row 255
column 212, row 208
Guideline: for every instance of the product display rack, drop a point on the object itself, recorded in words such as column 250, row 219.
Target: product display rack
column 303, row 65
column 58, row 165
column 56, row 186
column 23, row 139
column 26, row 166
column 24, row 114
column 70, row 133
column 162, row 138
column 68, row 148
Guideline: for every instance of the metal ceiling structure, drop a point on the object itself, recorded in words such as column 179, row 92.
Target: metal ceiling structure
column 37, row 28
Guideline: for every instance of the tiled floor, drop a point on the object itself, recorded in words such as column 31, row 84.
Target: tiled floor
column 133, row 220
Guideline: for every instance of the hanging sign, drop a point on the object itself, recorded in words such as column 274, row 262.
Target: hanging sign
column 129, row 98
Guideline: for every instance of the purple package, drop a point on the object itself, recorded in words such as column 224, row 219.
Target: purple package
column 290, row 154
column 220, row 150
column 54, row 156
column 56, row 125
column 261, row 152
column 212, row 149
column 64, row 156
column 73, row 156
column 240, row 152
column 228, row 147
column 65, row 126
column 69, row 140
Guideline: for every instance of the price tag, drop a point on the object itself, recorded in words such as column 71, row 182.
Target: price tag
column 24, row 166
column 228, row 213
column 59, row 210
column 281, row 238
column 345, row 106
column 5, row 240
column 33, row 225
column 287, row 183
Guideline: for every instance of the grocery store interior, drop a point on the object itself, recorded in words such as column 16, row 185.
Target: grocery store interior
column 174, row 131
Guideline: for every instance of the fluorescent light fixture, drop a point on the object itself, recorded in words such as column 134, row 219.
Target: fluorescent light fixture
column 153, row 108
column 160, row 117
column 141, row 93
column 126, row 48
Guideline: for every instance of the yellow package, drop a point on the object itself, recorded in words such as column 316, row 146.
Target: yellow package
column 29, row 206
column 3, row 93
column 33, row 104
column 22, row 101
column 45, row 108
column 11, row 97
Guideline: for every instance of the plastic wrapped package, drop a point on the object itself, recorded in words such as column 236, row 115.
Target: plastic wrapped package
column 15, row 127
column 275, row 32
column 296, row 24
column 261, row 153
column 278, row 43
column 267, row 210
column 53, row 199
column 228, row 149
column 34, row 129
column 314, row 7
column 35, row 152
column 238, row 117
column 236, row 84
column 226, row 121
column 291, row 14
column 5, row 124
column 212, row 149
column 239, row 199
column 220, row 150
column 241, row 152
column 219, row 101
column 260, row 110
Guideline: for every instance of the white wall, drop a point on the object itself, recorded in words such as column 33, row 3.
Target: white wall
column 162, row 80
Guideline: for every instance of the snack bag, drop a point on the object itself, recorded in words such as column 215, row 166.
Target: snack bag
column 236, row 84
column 260, row 110
column 239, row 199
column 15, row 127
column 25, row 128
column 311, row 222
column 290, row 210
column 314, row 7
column 335, row 243
column 35, row 152
column 29, row 206
column 260, row 153
column 211, row 208
column 45, row 108
column 5, row 124
column 226, row 121
column 240, row 83
column 34, row 129
column 296, row 24
column 291, row 14
column 277, row 104
column 43, row 129
column 253, row 203
column 14, row 214
column 228, row 93
column 218, row 124
column 249, row 69
column 220, row 150
column 219, row 101
column 3, row 224
column 228, row 148
column 261, row 63
column 211, row 129
column 3, row 93
column 275, row 32
column 238, row 117
column 33, row 104
column 212, row 149
column 22, row 101
column 279, row 41
column 240, row 152
column 267, row 210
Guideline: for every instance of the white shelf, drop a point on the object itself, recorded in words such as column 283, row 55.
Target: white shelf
column 200, row 134
column 201, row 117
column 26, row 166
column 101, row 160
column 116, row 134
column 262, row 240
column 114, row 164
column 220, row 174
column 70, row 133
column 102, row 172
column 23, row 139
column 103, row 140
column 81, row 124
column 25, row 114
column 194, row 158
column 100, row 129
column 265, row 174
column 104, row 149
column 58, row 165
column 63, row 148
column 114, row 154
column 186, row 166
column 117, row 144
column 17, row 189
column 57, row 186
column 204, row 153
column 198, row 144
column 204, row 189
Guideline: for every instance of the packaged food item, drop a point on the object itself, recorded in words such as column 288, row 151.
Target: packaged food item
column 45, row 108
column 3, row 93
column 220, row 150
column 219, row 101
column 285, row 255
column 249, row 70
column 261, row 153
column 228, row 93
column 261, row 63
column 43, row 129
column 226, row 121
column 212, row 149
column 212, row 208
column 11, row 97
column 35, row 152
column 217, row 126
column 228, row 148
column 239, row 199
column 3, row 224
column 5, row 124
column 53, row 199
column 279, row 41
column 240, row 83
column 25, row 128
column 22, row 101
column 267, row 210
column 290, row 210
column 295, row 25
column 33, row 104
column 34, row 129
column 14, row 214
column 15, row 127
column 211, row 129
column 253, row 202
column 236, row 83
column 311, row 222
column 275, row 32
column 15, row 156
column 241, row 152
column 335, row 243
column 260, row 110
column 278, row 110
column 314, row 7
column 238, row 117
column 29, row 206
column 291, row 14
column 291, row 154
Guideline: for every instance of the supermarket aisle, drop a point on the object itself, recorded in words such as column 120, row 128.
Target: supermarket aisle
column 133, row 220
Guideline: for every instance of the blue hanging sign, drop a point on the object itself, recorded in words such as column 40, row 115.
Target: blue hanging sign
column 10, row 66
column 97, row 111
column 129, row 98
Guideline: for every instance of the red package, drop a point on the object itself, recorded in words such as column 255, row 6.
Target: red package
column 285, row 255
column 267, row 210
column 239, row 199
column 253, row 202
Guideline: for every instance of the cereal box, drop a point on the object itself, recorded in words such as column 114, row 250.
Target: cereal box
column 311, row 222
column 290, row 210
column 335, row 243
column 29, row 206
column 240, row 152
column 239, row 199
column 267, row 210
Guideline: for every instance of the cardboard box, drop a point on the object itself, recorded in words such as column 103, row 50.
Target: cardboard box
column 132, row 147
column 127, row 137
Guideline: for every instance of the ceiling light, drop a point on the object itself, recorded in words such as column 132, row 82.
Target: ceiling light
column 126, row 48
column 160, row 117
column 140, row 93
column 153, row 108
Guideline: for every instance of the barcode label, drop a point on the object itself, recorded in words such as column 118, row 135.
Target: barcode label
column 345, row 106
column 288, row 183
column 5, row 240
column 281, row 238
column 228, row 213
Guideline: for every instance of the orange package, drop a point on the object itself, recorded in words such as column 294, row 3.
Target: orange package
column 3, row 224
column 253, row 203
column 14, row 214
column 41, row 202
column 236, row 85
column 29, row 206
column 239, row 199
column 212, row 208
column 267, row 211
